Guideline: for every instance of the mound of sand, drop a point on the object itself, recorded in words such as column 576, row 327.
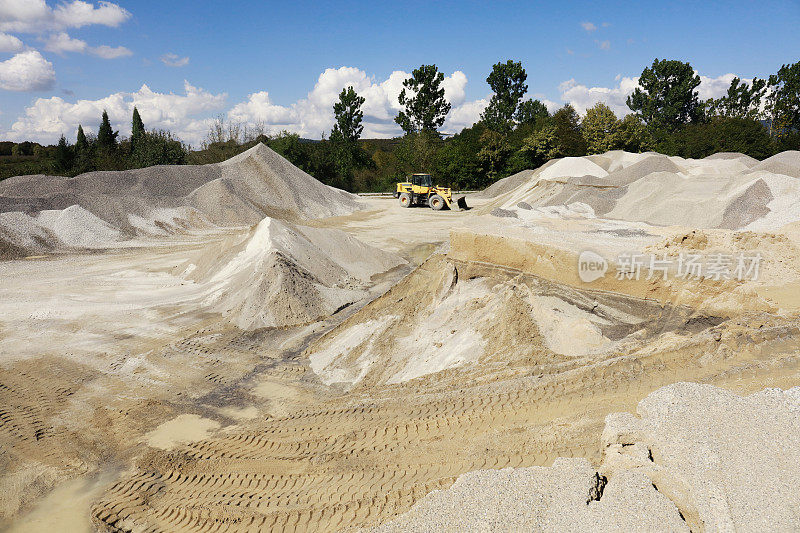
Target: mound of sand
column 283, row 275
column 698, row 458
column 447, row 315
column 163, row 200
column 727, row 190
column 505, row 185
column 787, row 163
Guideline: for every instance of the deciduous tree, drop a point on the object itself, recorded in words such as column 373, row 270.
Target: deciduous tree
column 601, row 129
column 423, row 101
column 507, row 81
column 666, row 97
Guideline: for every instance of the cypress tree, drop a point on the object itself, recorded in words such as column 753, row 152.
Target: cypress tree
column 81, row 145
column 137, row 130
column 63, row 157
column 106, row 137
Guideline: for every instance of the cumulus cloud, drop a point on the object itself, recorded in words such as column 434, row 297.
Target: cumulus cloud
column 27, row 71
column 183, row 114
column 35, row 16
column 9, row 43
column 588, row 26
column 313, row 115
column 60, row 43
column 110, row 52
column 174, row 60
column 715, row 87
column 583, row 97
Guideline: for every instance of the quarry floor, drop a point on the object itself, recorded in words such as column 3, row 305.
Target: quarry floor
column 106, row 361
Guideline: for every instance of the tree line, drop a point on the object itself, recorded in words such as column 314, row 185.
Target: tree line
column 758, row 118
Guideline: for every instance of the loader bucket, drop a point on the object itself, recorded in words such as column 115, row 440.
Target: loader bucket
column 462, row 203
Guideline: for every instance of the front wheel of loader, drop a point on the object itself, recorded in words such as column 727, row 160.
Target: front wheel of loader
column 436, row 202
column 405, row 200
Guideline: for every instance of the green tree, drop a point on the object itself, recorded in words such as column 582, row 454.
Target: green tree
column 568, row 132
column 541, row 147
column 417, row 152
column 507, row 81
column 347, row 153
column 423, row 101
column 531, row 111
column 740, row 101
column 81, row 143
column 137, row 129
column 730, row 134
column 348, row 115
column 64, row 156
column 83, row 153
column 601, row 129
column 666, row 97
column 157, row 148
column 634, row 135
column 106, row 136
column 493, row 154
column 783, row 102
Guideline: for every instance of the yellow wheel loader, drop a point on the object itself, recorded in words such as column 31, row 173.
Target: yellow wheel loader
column 419, row 190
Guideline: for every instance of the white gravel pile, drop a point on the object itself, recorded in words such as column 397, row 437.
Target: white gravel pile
column 696, row 458
column 163, row 200
column 284, row 275
column 727, row 190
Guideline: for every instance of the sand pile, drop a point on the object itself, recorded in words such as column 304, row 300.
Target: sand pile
column 449, row 315
column 283, row 275
column 696, row 458
column 726, row 190
column 164, row 200
column 505, row 185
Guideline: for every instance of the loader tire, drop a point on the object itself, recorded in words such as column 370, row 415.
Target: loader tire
column 436, row 202
column 405, row 200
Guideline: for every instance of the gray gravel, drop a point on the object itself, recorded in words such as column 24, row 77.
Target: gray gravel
column 696, row 456
column 162, row 199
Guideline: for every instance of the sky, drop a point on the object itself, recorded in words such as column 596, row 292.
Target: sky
column 281, row 65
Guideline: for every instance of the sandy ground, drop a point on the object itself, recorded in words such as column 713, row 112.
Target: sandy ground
column 127, row 406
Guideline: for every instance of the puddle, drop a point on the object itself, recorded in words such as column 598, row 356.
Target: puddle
column 66, row 508
column 180, row 430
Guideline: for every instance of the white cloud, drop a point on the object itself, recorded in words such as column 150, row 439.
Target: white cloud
column 60, row 43
column 174, row 60
column 313, row 115
column 9, row 43
column 465, row 115
column 27, row 71
column 35, row 16
column 604, row 45
column 110, row 52
column 583, row 97
column 183, row 114
column 715, row 87
column 588, row 26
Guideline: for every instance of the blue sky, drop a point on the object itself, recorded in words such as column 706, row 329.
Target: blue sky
column 280, row 64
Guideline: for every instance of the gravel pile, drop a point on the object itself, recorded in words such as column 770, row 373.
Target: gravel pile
column 161, row 200
column 284, row 275
column 787, row 163
column 727, row 190
column 505, row 185
column 696, row 458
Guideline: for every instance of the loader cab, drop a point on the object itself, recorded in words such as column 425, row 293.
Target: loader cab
column 421, row 180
